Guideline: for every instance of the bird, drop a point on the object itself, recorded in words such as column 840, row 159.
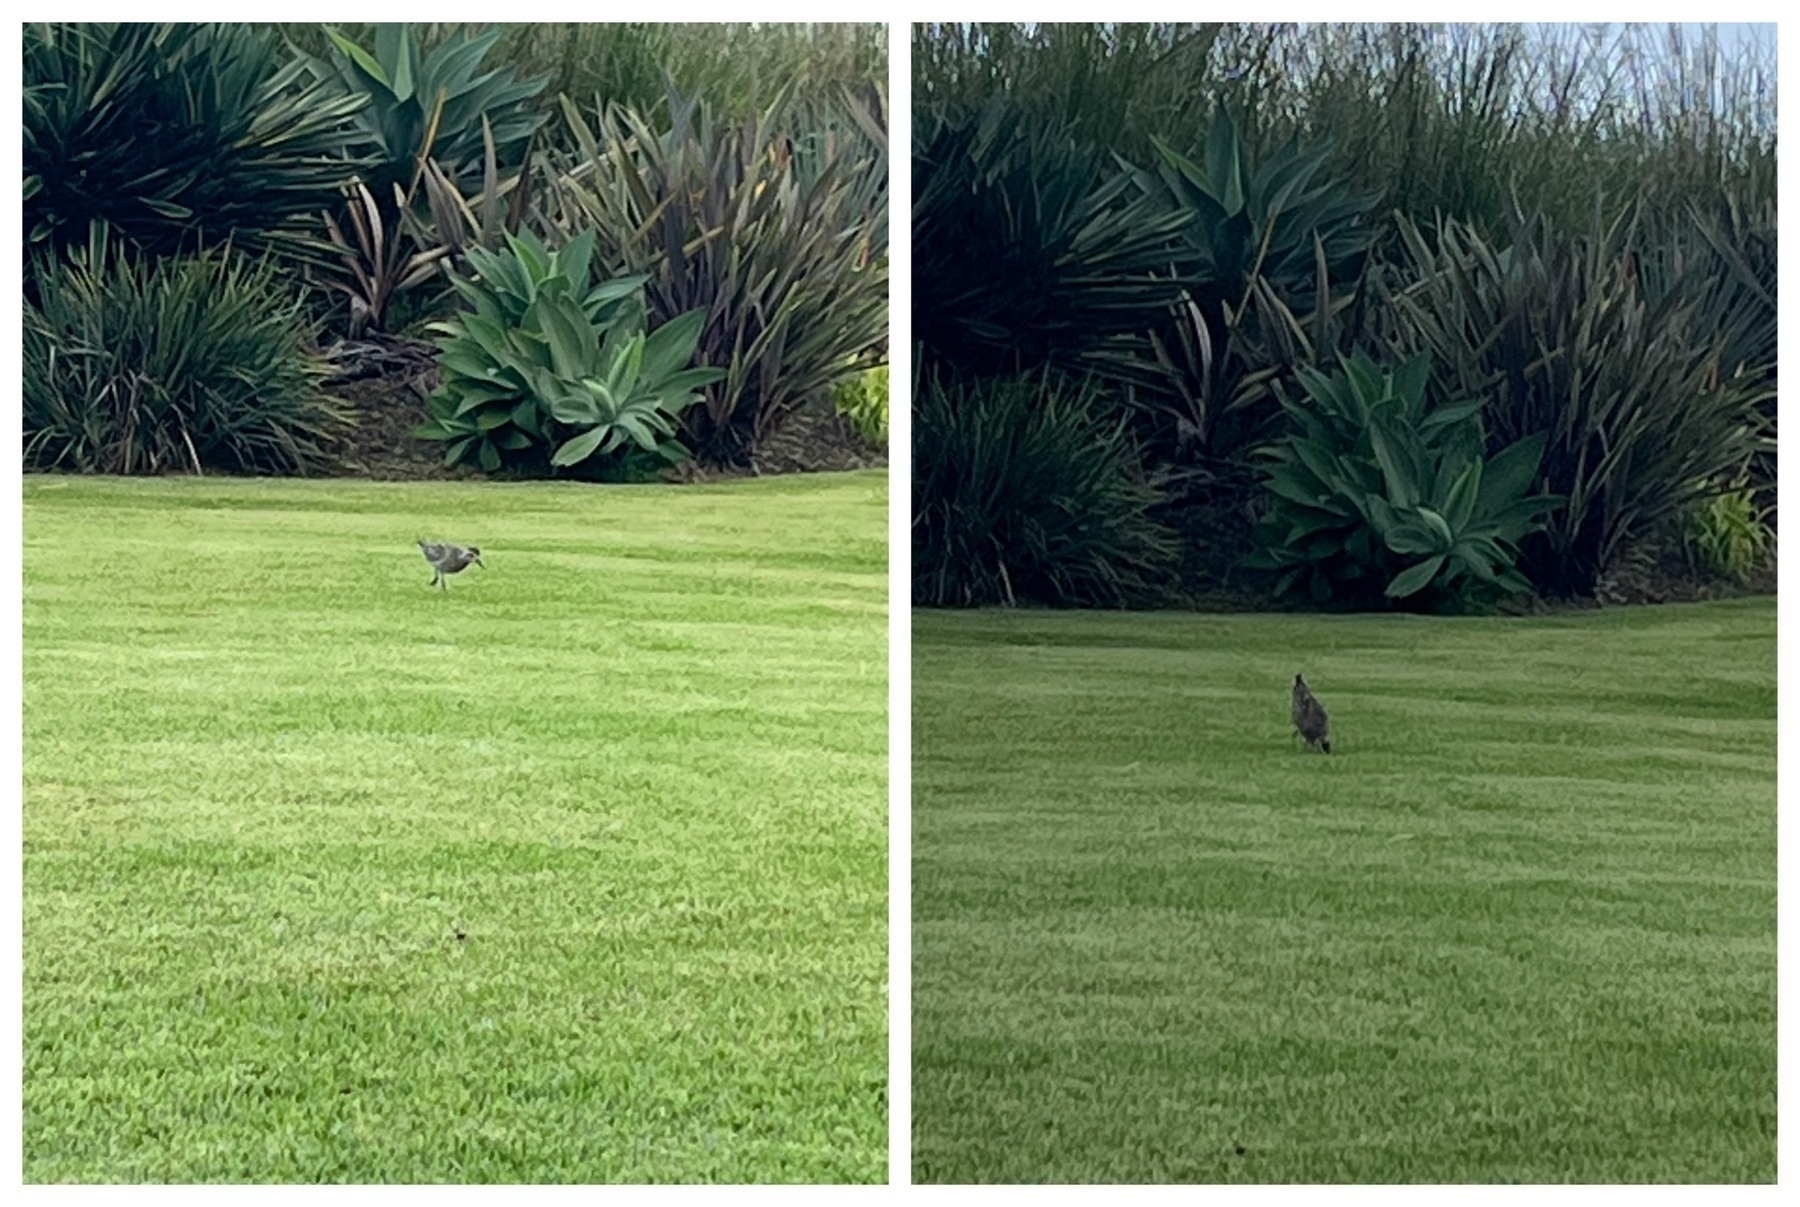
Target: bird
column 1310, row 718
column 449, row 559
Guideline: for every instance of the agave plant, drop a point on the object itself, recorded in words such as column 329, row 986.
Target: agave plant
column 716, row 218
column 1371, row 477
column 421, row 105
column 1271, row 220
column 1269, row 264
column 547, row 370
column 178, row 136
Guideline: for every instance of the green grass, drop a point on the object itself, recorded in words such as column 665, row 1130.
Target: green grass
column 639, row 763
column 1520, row 927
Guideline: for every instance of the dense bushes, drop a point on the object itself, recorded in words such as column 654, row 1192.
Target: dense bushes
column 1627, row 380
column 390, row 172
column 187, row 363
column 178, row 136
column 1031, row 248
column 1028, row 490
column 1305, row 257
column 777, row 244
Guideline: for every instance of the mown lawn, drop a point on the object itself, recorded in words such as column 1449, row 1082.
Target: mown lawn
column 575, row 872
column 1519, row 927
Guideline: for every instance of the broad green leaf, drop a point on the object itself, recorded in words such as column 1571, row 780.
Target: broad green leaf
column 671, row 346
column 575, row 409
column 1437, row 525
column 406, row 63
column 1416, row 578
column 579, row 449
column 1459, row 505
column 570, row 339
column 691, row 379
column 1395, row 471
column 1410, row 536
column 1510, row 473
column 573, row 260
column 361, row 57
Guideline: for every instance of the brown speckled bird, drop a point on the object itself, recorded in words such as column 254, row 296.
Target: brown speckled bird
column 449, row 559
column 1310, row 718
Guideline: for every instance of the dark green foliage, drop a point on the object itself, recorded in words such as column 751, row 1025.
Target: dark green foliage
column 784, row 260
column 1033, row 247
column 1028, row 489
column 1271, row 260
column 177, row 136
column 1622, row 365
column 433, row 120
column 394, row 248
column 735, row 67
column 134, row 366
column 1728, row 257
column 427, row 105
column 1645, row 280
column 546, row 369
column 1456, row 119
column 1273, row 216
column 1375, row 493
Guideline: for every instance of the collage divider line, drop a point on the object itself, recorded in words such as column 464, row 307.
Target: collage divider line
column 899, row 606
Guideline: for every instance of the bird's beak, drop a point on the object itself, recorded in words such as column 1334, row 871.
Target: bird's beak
column 480, row 563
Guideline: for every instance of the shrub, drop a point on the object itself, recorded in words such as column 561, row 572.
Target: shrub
column 862, row 399
column 1024, row 490
column 715, row 216
column 545, row 370
column 143, row 367
column 1274, row 252
column 177, row 136
column 430, row 121
column 1376, row 495
column 1629, row 383
column 1032, row 247
column 421, row 105
column 1729, row 536
column 394, row 248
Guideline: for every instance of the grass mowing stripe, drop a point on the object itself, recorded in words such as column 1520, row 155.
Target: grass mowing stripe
column 1520, row 927
column 573, row 872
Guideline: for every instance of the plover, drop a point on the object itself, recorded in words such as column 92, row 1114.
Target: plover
column 449, row 559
